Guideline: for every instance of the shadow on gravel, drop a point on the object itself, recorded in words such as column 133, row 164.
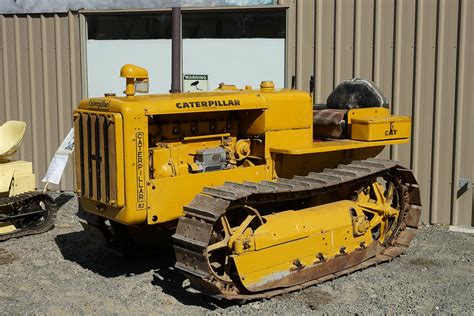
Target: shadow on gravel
column 175, row 284
column 62, row 199
column 91, row 254
column 85, row 250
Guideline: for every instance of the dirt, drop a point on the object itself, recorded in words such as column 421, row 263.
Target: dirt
column 68, row 270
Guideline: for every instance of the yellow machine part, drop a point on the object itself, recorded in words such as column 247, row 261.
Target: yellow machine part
column 373, row 129
column 12, row 133
column 292, row 238
column 189, row 160
column 23, row 210
column 16, row 177
column 154, row 168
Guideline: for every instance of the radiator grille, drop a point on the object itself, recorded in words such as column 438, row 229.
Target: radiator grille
column 96, row 156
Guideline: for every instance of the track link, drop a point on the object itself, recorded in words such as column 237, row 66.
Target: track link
column 13, row 204
column 195, row 227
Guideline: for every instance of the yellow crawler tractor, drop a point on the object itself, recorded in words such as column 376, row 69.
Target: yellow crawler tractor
column 23, row 211
column 264, row 193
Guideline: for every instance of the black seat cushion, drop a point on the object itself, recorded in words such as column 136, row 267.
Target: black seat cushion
column 356, row 93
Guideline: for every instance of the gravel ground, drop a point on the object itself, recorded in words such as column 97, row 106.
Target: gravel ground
column 68, row 271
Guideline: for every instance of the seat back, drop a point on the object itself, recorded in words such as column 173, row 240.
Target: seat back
column 11, row 136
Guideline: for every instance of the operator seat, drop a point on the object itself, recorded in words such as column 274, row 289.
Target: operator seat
column 330, row 120
column 11, row 136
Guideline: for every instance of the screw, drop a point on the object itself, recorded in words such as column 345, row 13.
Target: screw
column 297, row 263
column 320, row 256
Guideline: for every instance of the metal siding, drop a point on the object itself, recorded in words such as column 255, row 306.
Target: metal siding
column 402, row 101
column 324, row 49
column 420, row 53
column 4, row 89
column 40, row 83
column 463, row 206
column 444, row 111
column 290, row 53
column 383, row 58
column 424, row 86
column 304, row 44
column 11, row 100
column 364, row 38
column 344, row 43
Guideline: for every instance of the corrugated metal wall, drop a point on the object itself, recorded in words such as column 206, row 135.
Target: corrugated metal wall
column 40, row 82
column 421, row 54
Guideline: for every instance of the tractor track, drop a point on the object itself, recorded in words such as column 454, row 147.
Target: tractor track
column 11, row 205
column 195, row 228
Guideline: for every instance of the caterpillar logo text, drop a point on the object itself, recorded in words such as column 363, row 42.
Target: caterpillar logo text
column 98, row 104
column 141, row 198
column 203, row 104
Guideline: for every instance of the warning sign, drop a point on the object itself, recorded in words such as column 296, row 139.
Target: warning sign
column 193, row 83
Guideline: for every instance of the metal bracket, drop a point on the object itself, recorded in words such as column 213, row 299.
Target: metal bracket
column 464, row 183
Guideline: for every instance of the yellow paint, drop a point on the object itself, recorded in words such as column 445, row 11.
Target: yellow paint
column 303, row 236
column 6, row 228
column 337, row 145
column 278, row 124
column 375, row 129
column 367, row 113
column 16, row 177
column 132, row 74
column 170, row 194
column 12, row 133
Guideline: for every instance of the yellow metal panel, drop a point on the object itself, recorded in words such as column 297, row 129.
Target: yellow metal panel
column 290, row 140
column 169, row 195
column 23, row 183
column 288, row 165
column 335, row 145
column 288, row 110
column 20, row 166
column 182, row 103
column 120, row 180
column 17, row 177
column 300, row 235
column 367, row 113
column 373, row 129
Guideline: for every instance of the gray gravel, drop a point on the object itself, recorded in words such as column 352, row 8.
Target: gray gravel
column 67, row 271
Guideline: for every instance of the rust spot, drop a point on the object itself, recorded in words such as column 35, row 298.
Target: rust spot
column 424, row 262
column 6, row 257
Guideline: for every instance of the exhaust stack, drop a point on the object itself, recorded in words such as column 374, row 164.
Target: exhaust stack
column 176, row 38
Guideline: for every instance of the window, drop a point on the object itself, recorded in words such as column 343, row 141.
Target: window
column 236, row 47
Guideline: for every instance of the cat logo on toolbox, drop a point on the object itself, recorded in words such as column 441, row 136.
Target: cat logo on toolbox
column 392, row 131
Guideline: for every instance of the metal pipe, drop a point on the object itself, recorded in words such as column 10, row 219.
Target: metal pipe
column 176, row 50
